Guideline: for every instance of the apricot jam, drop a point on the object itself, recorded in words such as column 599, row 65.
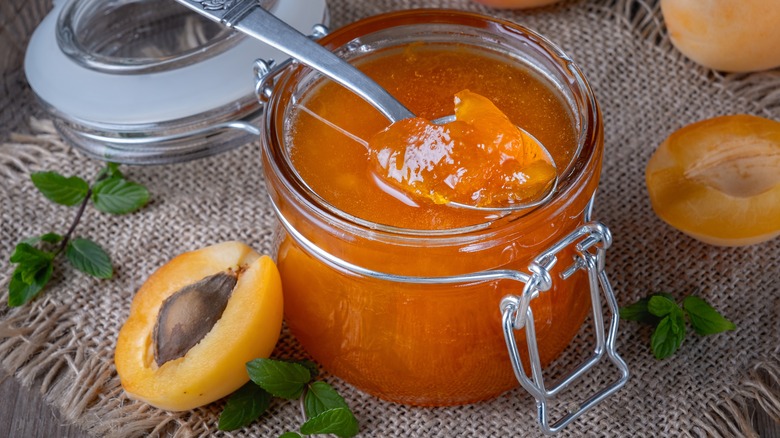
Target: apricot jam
column 479, row 159
column 382, row 289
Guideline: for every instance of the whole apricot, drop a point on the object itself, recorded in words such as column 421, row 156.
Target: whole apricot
column 195, row 323
column 516, row 4
column 727, row 35
column 718, row 180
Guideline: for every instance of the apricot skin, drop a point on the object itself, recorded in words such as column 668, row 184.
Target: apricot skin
column 726, row 35
column 703, row 211
column 215, row 367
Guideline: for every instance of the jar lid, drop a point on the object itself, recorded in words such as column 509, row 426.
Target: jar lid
column 147, row 82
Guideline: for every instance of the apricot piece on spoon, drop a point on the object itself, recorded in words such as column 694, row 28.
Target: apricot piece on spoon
column 195, row 323
column 480, row 159
column 718, row 180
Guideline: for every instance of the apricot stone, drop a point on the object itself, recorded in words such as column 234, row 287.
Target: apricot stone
column 727, row 35
column 195, row 323
column 718, row 180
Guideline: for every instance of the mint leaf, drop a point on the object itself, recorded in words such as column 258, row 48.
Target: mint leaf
column 638, row 312
column 243, row 407
column 339, row 421
column 704, row 318
column 51, row 238
column 281, row 379
column 668, row 335
column 48, row 238
column 119, row 196
column 26, row 254
column 110, row 171
column 60, row 189
column 311, row 366
column 89, row 258
column 321, row 397
column 21, row 292
column 661, row 306
column 290, row 435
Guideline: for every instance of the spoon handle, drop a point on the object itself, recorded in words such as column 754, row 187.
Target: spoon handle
column 250, row 18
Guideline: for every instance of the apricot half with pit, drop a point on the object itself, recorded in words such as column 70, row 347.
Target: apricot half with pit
column 195, row 323
column 718, row 180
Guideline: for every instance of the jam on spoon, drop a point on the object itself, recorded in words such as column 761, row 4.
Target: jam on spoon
column 481, row 159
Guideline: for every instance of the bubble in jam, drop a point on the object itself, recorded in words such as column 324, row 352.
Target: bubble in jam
column 480, row 159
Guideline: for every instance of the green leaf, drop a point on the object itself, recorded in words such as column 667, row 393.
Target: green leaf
column 59, row 189
column 311, row 366
column 668, row 336
column 244, row 406
column 88, row 257
column 338, row 421
column 661, row 306
column 704, row 318
column 281, row 379
column 119, row 196
column 48, row 238
column 21, row 292
column 321, row 397
column 26, row 254
column 51, row 238
column 110, row 171
column 638, row 312
column 29, row 272
column 290, row 435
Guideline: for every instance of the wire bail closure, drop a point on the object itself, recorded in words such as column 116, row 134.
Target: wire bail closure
column 591, row 242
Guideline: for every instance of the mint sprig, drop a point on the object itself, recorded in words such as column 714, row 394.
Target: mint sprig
column 325, row 410
column 668, row 318
column 244, row 406
column 35, row 256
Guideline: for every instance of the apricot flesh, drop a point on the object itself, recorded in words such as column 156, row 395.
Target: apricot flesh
column 726, row 35
column 248, row 328
column 480, row 159
column 718, row 180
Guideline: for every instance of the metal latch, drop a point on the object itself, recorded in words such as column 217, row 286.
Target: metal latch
column 590, row 243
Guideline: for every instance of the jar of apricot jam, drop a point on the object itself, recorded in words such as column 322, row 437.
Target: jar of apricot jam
column 427, row 304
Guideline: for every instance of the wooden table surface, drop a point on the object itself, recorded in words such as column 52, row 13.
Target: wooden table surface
column 24, row 414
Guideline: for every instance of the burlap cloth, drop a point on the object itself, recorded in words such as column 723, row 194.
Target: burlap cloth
column 63, row 342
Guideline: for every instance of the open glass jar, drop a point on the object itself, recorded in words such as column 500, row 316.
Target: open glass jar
column 422, row 306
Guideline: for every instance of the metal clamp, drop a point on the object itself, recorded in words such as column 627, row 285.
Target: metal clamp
column 590, row 243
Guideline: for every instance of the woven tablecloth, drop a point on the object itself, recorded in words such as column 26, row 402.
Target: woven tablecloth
column 63, row 342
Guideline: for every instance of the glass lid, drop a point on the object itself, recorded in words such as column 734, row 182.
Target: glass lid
column 148, row 81
column 137, row 36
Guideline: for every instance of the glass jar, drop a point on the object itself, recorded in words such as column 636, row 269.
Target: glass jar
column 426, row 316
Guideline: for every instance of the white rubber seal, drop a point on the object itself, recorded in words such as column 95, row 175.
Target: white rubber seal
column 89, row 95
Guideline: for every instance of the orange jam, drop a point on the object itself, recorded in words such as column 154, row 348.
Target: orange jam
column 479, row 159
column 377, row 284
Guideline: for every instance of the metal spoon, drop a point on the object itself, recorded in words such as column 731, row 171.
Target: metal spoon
column 248, row 17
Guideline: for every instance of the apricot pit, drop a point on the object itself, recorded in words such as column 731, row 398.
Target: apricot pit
column 195, row 323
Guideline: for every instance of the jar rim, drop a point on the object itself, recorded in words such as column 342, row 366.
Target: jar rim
column 587, row 147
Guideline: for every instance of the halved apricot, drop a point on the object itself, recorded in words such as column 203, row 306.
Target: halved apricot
column 718, row 180
column 195, row 323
